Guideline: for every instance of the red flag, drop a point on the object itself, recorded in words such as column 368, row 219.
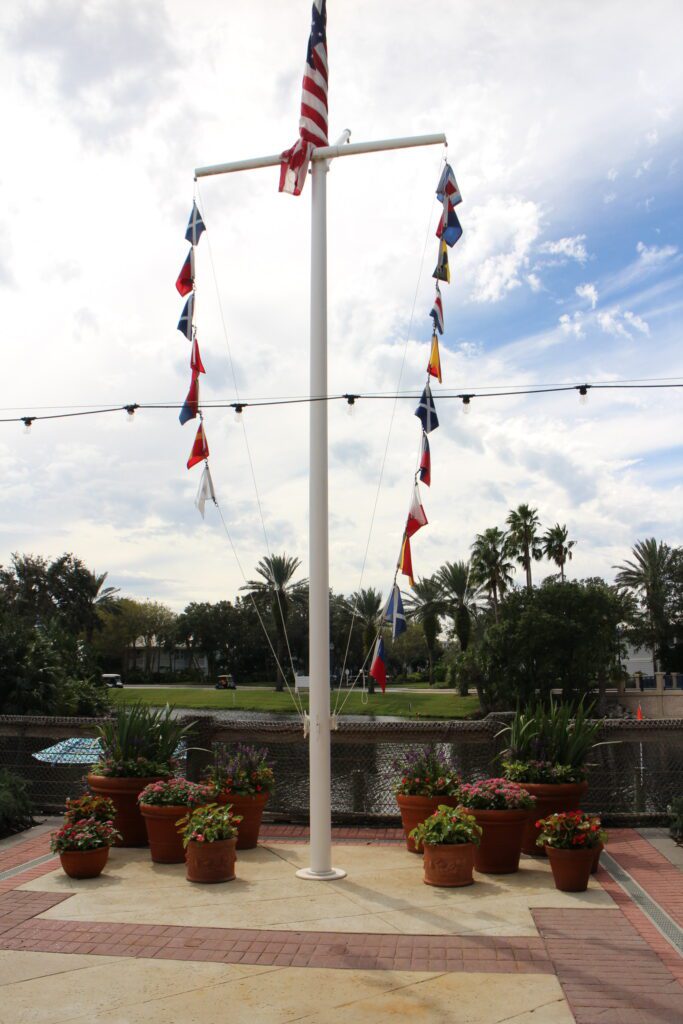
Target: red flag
column 434, row 364
column 378, row 669
column 190, row 406
column 417, row 517
column 405, row 562
column 196, row 364
column 185, row 280
column 425, row 461
column 200, row 448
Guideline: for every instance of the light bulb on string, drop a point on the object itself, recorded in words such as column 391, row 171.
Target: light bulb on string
column 27, row 421
column 351, row 404
column 583, row 394
column 130, row 409
column 466, row 404
column 238, row 413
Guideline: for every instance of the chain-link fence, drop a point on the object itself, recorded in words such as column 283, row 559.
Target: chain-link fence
column 634, row 776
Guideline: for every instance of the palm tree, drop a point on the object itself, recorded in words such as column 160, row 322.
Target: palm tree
column 556, row 547
column 275, row 593
column 490, row 567
column 425, row 605
column 365, row 607
column 646, row 577
column 460, row 598
column 522, row 539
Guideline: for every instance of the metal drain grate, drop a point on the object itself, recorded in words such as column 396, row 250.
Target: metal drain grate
column 26, row 866
column 672, row 932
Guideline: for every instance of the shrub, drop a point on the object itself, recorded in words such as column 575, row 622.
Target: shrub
column 139, row 740
column 15, row 804
column 571, row 830
column 209, row 824
column 101, row 808
column 542, row 771
column 423, row 771
column 676, row 819
column 448, row 826
column 495, row 795
column 244, row 772
column 546, row 736
column 175, row 793
column 87, row 834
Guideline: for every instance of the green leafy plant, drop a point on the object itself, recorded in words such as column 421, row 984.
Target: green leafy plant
column 546, row 736
column 87, row 834
column 101, row 808
column 675, row 810
column 571, row 830
column 15, row 803
column 244, row 771
column 542, row 771
column 494, row 795
column 175, row 793
column 423, row 771
column 139, row 740
column 209, row 824
column 448, row 826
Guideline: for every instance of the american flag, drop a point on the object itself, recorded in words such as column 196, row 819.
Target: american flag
column 313, row 120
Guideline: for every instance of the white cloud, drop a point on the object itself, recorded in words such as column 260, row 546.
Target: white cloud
column 572, row 325
column 654, row 255
column 499, row 238
column 612, row 174
column 572, row 247
column 534, row 282
column 652, row 137
column 642, row 168
column 636, row 321
column 618, row 324
column 609, row 197
column 588, row 292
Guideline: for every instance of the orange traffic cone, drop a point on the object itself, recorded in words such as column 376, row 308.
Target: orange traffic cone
column 639, row 713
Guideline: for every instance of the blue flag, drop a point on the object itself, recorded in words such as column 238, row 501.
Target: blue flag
column 394, row 614
column 426, row 411
column 185, row 322
column 195, row 226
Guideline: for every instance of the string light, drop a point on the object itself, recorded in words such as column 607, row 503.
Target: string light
column 27, row 421
column 466, row 404
column 583, row 393
column 350, row 403
column 238, row 413
column 130, row 409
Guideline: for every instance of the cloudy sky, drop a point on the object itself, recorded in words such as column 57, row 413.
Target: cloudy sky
column 564, row 129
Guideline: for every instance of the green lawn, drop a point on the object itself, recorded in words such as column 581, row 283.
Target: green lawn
column 443, row 704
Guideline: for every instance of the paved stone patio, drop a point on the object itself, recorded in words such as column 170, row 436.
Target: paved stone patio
column 142, row 944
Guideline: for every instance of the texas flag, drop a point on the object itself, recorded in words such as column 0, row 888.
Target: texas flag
column 417, row 517
column 425, row 462
column 185, row 281
column 378, row 669
column 405, row 561
column 200, row 448
column 434, row 364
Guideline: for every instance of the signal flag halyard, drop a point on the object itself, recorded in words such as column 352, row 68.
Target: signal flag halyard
column 200, row 448
column 426, row 411
column 436, row 312
column 378, row 669
column 417, row 517
column 185, row 282
column 185, row 322
column 206, row 491
column 195, row 226
column 191, row 404
column 434, row 364
column 394, row 614
column 405, row 561
column 425, row 462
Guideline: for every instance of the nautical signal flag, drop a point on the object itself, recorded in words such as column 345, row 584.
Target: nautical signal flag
column 195, row 226
column 185, row 282
column 434, row 364
column 417, row 517
column 425, row 462
column 191, row 404
column 426, row 411
column 196, row 363
column 449, row 227
column 200, row 448
column 378, row 669
column 442, row 270
column 405, row 561
column 394, row 614
column 206, row 491
column 185, row 322
column 436, row 312
column 313, row 121
column 448, row 187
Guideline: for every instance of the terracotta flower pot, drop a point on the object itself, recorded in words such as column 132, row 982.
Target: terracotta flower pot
column 449, row 864
column 124, row 792
column 501, row 840
column 550, row 799
column 84, row 863
column 211, row 862
column 571, row 868
column 251, row 808
column 597, row 850
column 416, row 809
column 165, row 842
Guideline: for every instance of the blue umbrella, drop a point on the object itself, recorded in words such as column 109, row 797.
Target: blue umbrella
column 78, row 750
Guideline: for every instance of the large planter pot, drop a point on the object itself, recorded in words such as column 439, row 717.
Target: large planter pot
column 550, row 799
column 416, row 809
column 571, row 868
column 597, row 850
column 449, row 865
column 124, row 792
column 211, row 862
column 501, row 840
column 165, row 842
column 84, row 863
column 251, row 809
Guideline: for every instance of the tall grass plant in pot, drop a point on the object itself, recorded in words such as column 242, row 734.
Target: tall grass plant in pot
column 139, row 745
column 425, row 779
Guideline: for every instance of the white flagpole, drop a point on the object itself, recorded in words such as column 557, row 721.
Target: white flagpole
column 320, row 868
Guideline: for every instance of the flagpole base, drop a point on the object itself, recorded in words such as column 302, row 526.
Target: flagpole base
column 321, row 876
